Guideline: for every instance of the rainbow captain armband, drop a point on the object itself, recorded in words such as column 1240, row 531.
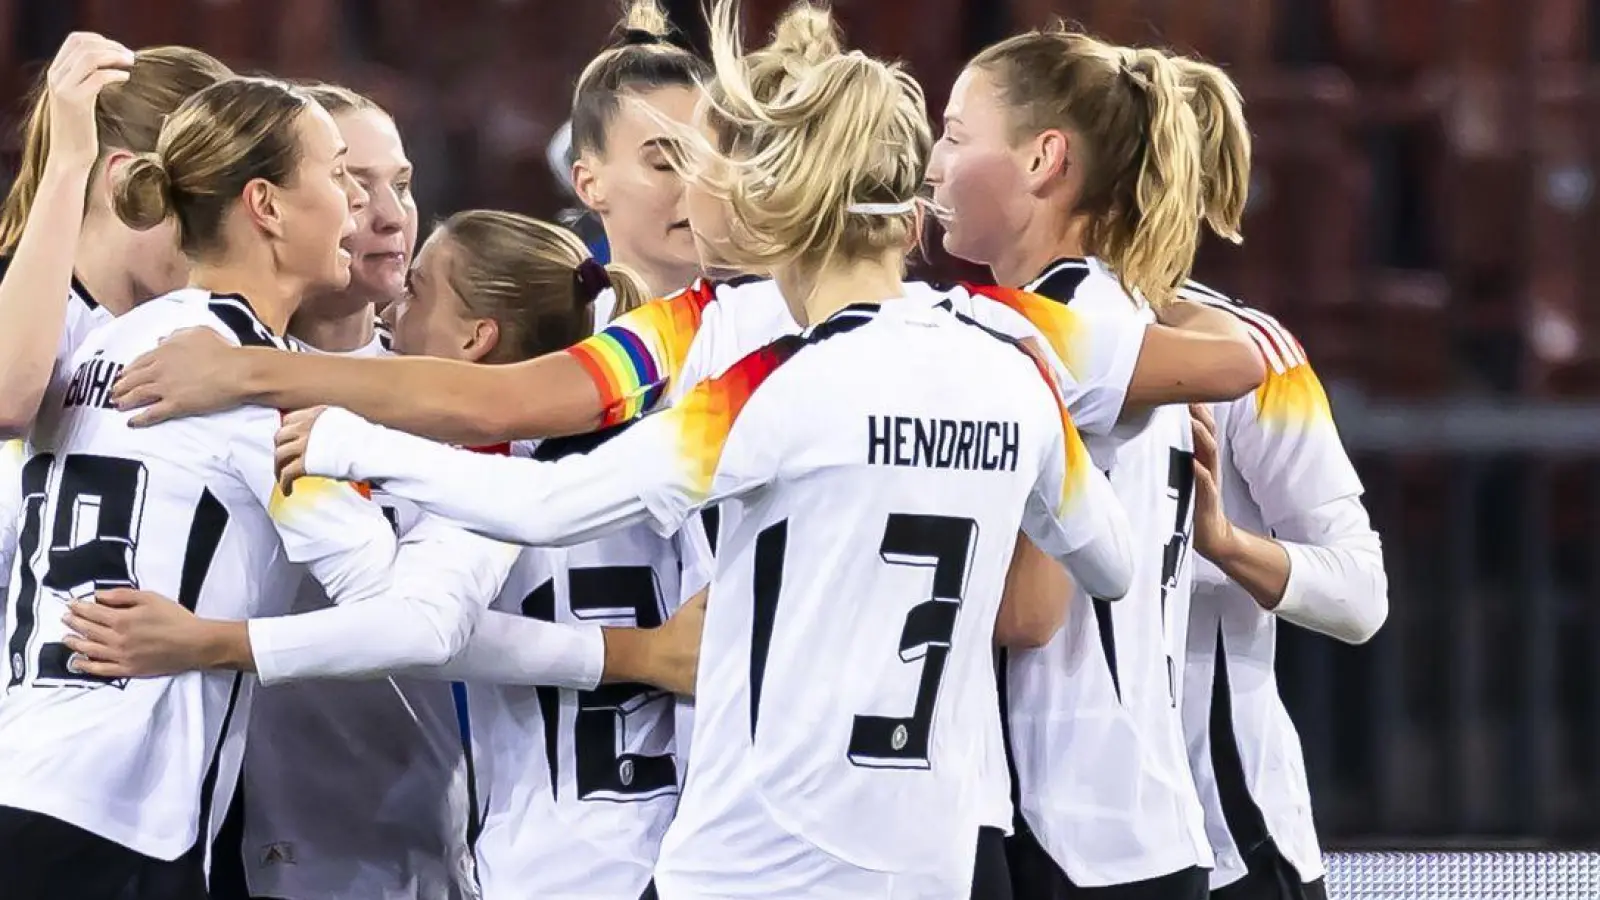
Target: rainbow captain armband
column 634, row 359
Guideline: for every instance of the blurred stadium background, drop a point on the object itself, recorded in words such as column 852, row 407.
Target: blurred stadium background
column 1423, row 214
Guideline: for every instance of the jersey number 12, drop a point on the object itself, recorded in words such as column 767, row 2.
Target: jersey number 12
column 603, row 770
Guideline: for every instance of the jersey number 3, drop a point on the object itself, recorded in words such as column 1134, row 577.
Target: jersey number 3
column 93, row 537
column 943, row 544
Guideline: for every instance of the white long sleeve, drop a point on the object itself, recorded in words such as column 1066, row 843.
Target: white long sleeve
column 1337, row 584
column 517, row 500
column 515, row 650
column 1073, row 513
column 444, row 578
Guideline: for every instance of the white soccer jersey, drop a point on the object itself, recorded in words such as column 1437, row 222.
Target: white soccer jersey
column 84, row 315
column 1096, row 733
column 1094, row 354
column 187, row 509
column 11, row 459
column 888, row 454
column 748, row 313
column 1285, row 473
column 576, row 788
column 356, row 789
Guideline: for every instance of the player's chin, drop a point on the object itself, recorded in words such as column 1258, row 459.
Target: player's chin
column 378, row 281
column 950, row 239
column 337, row 280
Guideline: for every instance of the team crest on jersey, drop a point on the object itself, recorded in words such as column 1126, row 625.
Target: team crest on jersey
column 280, row 853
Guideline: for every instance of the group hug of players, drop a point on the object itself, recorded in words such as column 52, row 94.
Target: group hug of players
column 959, row 591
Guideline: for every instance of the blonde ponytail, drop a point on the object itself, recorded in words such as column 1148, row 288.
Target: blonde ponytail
column 1224, row 145
column 1152, row 248
column 819, row 134
column 35, row 152
column 647, row 17
column 128, row 116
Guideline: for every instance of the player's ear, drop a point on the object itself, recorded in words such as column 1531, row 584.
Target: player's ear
column 1047, row 158
column 261, row 202
column 588, row 185
column 482, row 337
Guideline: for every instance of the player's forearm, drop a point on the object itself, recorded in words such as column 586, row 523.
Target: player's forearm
column 441, row 399
column 649, row 656
column 1258, row 564
column 1034, row 604
column 1196, row 355
column 33, row 297
column 223, row 645
column 518, row 501
column 515, row 650
column 361, row 640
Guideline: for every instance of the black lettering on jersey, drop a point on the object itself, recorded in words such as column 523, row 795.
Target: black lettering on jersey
column 973, row 445
column 1061, row 279
column 91, row 384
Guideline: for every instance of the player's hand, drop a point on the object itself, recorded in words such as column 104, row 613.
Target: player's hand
column 294, row 436
column 84, row 65
column 193, row 372
column 678, row 647
column 128, row 634
column 1213, row 533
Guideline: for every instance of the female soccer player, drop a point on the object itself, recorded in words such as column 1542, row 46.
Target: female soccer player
column 495, row 287
column 67, row 264
column 891, row 445
column 1073, row 167
column 353, row 788
column 1282, row 535
column 252, row 170
column 622, row 102
column 577, row 786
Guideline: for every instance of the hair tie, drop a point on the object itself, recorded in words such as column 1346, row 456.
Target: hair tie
column 591, row 278
column 640, row 37
column 882, row 209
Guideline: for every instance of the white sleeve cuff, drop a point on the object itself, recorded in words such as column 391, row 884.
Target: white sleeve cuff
column 335, row 436
column 1340, row 591
column 1295, row 600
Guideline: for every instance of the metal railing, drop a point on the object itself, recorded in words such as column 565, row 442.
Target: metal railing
column 1476, row 711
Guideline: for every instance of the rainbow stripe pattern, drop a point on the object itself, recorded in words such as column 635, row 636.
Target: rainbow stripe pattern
column 634, row 359
column 705, row 416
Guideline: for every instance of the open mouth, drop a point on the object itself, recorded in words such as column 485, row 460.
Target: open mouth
column 385, row 259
